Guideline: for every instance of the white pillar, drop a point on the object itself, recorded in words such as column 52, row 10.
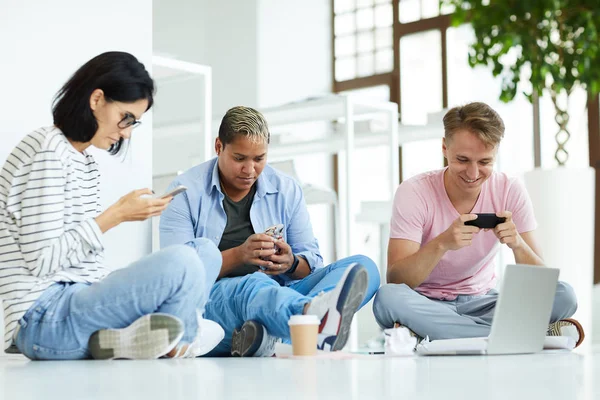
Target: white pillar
column 563, row 201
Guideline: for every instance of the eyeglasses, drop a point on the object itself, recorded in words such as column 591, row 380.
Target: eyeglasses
column 128, row 120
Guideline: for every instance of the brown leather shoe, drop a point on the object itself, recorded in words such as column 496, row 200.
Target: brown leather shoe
column 567, row 327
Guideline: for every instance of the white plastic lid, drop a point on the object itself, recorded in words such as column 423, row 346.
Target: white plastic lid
column 304, row 320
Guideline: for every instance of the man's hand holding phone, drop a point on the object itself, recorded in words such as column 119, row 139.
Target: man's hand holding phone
column 283, row 257
column 459, row 234
column 282, row 260
column 507, row 232
column 257, row 250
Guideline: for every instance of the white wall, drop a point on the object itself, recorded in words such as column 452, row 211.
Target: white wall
column 41, row 45
column 179, row 28
column 222, row 34
column 225, row 37
column 179, row 31
column 263, row 53
column 294, row 52
column 294, row 63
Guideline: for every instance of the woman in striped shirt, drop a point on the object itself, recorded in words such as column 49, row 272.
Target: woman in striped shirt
column 59, row 301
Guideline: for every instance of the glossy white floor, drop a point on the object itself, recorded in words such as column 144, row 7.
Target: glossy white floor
column 564, row 376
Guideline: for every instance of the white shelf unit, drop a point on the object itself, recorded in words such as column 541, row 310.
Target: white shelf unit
column 345, row 109
column 169, row 69
column 380, row 212
column 342, row 108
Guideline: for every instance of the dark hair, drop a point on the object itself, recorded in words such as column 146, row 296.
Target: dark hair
column 119, row 75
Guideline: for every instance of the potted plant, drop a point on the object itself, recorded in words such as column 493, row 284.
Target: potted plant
column 553, row 47
column 556, row 41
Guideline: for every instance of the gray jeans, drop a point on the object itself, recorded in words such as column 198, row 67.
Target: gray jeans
column 466, row 316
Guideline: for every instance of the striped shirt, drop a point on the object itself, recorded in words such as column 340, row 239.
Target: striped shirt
column 49, row 197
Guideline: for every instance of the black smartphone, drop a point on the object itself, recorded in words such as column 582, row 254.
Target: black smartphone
column 486, row 221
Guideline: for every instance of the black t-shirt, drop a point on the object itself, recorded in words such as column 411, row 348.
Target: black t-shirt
column 238, row 228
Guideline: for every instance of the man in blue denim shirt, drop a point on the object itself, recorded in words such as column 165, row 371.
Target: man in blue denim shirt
column 232, row 200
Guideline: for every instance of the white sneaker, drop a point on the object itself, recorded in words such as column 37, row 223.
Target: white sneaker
column 150, row 336
column 336, row 308
column 208, row 336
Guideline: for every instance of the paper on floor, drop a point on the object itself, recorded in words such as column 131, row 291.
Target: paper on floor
column 399, row 342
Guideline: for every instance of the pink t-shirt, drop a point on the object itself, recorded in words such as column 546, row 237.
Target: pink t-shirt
column 422, row 211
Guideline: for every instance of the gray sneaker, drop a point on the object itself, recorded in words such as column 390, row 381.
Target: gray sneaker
column 252, row 340
column 149, row 337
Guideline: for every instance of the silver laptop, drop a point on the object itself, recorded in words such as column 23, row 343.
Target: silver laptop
column 520, row 319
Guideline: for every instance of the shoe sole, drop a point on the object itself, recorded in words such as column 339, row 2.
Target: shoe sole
column 149, row 337
column 351, row 297
column 241, row 346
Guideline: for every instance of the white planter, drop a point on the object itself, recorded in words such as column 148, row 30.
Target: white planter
column 563, row 202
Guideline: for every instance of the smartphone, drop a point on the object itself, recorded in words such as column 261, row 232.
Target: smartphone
column 275, row 231
column 174, row 192
column 486, row 221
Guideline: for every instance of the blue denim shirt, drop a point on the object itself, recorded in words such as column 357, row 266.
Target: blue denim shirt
column 199, row 212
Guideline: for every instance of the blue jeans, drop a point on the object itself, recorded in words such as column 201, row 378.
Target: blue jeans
column 234, row 301
column 464, row 317
column 175, row 281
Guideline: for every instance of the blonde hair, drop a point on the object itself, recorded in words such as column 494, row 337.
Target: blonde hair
column 477, row 118
column 244, row 121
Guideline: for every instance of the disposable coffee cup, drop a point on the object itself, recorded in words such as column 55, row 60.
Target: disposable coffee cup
column 304, row 330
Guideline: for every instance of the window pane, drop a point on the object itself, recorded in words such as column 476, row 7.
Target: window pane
column 383, row 15
column 420, row 76
column 364, row 3
column 382, row 1
column 374, row 171
column 341, row 6
column 365, row 64
column 345, row 69
column 430, row 8
column 384, row 61
column 421, row 85
column 466, row 84
column 384, row 38
column 344, row 24
column 409, row 11
column 345, row 46
column 365, row 42
column 364, row 19
column 447, row 9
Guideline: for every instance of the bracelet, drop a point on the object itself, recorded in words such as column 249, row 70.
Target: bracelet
column 294, row 266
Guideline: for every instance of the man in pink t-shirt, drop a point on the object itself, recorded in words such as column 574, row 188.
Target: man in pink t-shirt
column 441, row 271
